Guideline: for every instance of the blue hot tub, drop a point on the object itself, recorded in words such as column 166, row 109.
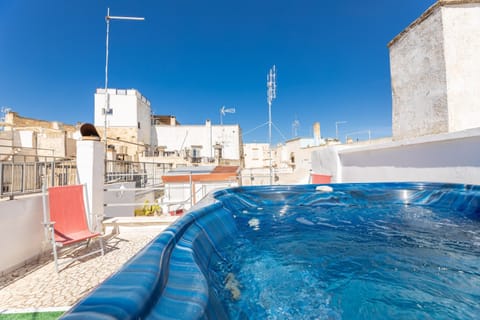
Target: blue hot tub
column 341, row 251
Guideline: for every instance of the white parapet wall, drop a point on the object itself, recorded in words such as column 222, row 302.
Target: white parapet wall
column 451, row 157
column 21, row 231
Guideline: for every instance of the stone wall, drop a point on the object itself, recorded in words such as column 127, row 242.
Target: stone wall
column 13, row 119
column 124, row 139
column 418, row 79
column 435, row 71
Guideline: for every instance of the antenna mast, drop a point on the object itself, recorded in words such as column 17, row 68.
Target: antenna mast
column 271, row 95
column 295, row 125
column 107, row 110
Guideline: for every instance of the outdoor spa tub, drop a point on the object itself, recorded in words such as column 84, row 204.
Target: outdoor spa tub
column 337, row 251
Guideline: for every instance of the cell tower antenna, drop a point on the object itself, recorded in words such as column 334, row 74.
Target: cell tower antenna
column 271, row 95
column 295, row 126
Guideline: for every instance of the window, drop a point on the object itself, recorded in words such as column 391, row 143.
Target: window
column 196, row 154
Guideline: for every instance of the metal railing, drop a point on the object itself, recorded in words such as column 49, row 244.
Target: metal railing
column 23, row 174
column 144, row 174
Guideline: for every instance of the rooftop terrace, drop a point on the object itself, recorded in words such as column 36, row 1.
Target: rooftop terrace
column 37, row 285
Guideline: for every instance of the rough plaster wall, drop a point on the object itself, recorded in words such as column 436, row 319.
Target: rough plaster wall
column 461, row 24
column 126, row 134
column 18, row 121
column 144, row 117
column 51, row 144
column 418, row 81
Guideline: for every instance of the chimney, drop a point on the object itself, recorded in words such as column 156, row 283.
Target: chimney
column 316, row 133
column 173, row 121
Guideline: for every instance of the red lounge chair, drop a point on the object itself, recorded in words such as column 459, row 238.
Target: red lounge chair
column 68, row 221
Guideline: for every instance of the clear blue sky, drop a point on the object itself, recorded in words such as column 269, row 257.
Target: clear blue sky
column 190, row 57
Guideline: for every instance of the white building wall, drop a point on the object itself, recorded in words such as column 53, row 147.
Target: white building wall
column 255, row 155
column 144, row 119
column 418, row 79
column 179, row 138
column 26, row 139
column 124, row 109
column 129, row 109
column 229, row 137
column 461, row 27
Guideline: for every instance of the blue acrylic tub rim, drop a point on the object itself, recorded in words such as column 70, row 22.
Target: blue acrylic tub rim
column 135, row 290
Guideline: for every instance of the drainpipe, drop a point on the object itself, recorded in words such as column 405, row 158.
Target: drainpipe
column 191, row 189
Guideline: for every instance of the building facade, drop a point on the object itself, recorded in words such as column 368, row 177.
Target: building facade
column 22, row 137
column 200, row 144
column 128, row 122
column 134, row 133
column 435, row 71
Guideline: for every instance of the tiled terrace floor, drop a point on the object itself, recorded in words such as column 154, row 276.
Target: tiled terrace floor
column 37, row 285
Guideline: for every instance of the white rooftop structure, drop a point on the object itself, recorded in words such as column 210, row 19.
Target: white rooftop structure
column 435, row 70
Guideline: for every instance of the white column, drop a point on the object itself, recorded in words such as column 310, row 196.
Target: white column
column 90, row 169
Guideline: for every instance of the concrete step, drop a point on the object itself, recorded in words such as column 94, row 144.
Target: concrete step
column 116, row 222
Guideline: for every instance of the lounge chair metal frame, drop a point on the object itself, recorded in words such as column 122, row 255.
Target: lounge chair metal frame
column 72, row 228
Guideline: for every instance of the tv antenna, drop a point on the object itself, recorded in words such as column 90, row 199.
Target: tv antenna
column 107, row 110
column 223, row 111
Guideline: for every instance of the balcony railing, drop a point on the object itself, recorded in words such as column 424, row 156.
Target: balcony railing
column 23, row 174
column 142, row 173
